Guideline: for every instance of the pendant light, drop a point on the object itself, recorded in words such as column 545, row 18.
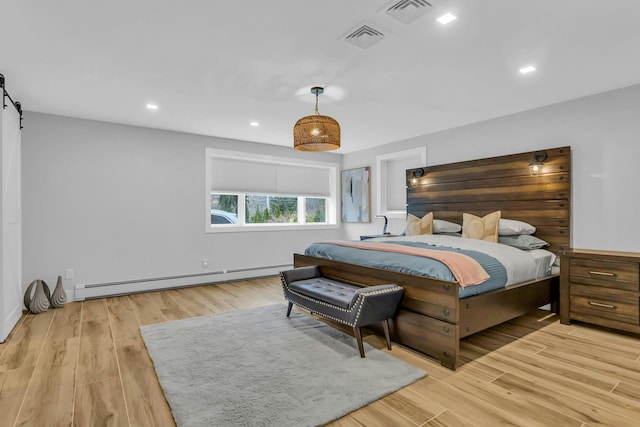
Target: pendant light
column 316, row 132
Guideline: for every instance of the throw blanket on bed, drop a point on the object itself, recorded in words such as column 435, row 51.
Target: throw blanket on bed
column 493, row 262
column 466, row 270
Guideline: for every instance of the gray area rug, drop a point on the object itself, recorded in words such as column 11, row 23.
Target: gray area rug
column 257, row 367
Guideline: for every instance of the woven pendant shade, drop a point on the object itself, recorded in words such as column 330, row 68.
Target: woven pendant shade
column 316, row 132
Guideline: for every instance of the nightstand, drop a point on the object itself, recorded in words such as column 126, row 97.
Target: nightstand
column 600, row 287
column 373, row 236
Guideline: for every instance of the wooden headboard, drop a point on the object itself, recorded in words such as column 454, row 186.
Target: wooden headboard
column 500, row 183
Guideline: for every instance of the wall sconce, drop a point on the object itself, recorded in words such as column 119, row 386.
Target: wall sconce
column 417, row 173
column 537, row 162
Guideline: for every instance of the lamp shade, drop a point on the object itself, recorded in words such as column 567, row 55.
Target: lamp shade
column 316, row 133
column 537, row 162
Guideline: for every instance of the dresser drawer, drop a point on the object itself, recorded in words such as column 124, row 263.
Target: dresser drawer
column 613, row 304
column 611, row 274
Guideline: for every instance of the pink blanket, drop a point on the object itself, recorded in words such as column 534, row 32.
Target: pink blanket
column 465, row 269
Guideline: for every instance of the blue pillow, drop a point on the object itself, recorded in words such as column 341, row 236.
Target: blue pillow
column 523, row 241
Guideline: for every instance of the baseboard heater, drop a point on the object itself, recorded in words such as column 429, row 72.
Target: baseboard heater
column 99, row 290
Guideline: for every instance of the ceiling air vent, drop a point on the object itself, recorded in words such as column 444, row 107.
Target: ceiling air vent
column 364, row 36
column 409, row 10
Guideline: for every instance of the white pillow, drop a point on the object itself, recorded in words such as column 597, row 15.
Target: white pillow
column 511, row 227
column 523, row 241
column 442, row 226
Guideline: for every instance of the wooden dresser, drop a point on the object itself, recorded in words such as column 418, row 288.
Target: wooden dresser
column 600, row 287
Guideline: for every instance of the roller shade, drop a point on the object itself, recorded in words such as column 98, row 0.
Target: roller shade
column 251, row 177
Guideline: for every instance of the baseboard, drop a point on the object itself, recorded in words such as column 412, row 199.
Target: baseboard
column 99, row 290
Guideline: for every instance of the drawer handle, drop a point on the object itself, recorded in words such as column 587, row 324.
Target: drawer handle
column 602, row 273
column 599, row 304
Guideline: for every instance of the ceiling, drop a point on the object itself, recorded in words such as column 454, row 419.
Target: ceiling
column 212, row 67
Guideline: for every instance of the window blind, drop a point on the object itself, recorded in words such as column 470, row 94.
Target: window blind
column 256, row 177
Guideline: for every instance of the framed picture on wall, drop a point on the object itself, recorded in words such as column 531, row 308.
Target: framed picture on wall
column 356, row 195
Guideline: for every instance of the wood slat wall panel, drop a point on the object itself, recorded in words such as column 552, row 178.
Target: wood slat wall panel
column 551, row 206
column 557, row 187
column 534, row 218
column 500, row 183
column 494, row 179
column 496, row 167
column 549, row 216
column 542, row 182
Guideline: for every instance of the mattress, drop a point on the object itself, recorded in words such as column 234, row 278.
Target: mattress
column 505, row 265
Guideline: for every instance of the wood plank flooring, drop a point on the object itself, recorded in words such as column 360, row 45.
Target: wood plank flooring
column 86, row 365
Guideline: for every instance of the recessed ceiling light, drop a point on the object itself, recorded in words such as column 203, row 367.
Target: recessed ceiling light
column 254, row 124
column 528, row 69
column 152, row 106
column 446, row 18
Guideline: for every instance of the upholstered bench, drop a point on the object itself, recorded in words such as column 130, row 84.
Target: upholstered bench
column 352, row 305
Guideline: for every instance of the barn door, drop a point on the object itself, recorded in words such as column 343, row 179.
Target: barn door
column 11, row 224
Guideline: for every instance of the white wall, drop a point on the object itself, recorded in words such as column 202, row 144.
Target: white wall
column 115, row 203
column 604, row 133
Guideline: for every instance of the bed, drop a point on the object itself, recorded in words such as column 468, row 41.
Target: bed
column 437, row 313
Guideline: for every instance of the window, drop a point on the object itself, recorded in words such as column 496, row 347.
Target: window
column 267, row 209
column 263, row 193
column 224, row 209
column 315, row 210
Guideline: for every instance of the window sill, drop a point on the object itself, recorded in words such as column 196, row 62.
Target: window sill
column 270, row 227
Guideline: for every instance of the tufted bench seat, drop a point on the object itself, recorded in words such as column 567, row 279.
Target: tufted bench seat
column 352, row 305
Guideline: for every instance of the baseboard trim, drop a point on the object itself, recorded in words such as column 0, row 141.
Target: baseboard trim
column 99, row 290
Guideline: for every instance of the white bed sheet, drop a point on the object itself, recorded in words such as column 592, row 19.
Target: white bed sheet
column 544, row 261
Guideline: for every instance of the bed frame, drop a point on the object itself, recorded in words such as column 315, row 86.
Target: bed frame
column 432, row 318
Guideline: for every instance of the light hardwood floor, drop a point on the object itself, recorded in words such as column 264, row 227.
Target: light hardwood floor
column 86, row 365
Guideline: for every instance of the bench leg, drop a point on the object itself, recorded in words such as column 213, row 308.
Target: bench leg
column 289, row 308
column 358, row 334
column 385, row 326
